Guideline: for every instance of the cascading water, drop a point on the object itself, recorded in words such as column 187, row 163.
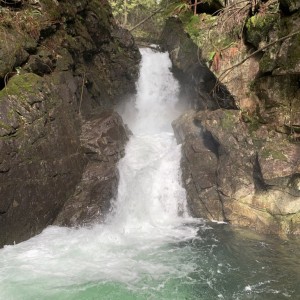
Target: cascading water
column 150, row 248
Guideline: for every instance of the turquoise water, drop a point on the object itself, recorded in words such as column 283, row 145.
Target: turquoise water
column 149, row 247
column 218, row 263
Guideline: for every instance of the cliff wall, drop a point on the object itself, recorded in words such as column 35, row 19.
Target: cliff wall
column 241, row 152
column 63, row 65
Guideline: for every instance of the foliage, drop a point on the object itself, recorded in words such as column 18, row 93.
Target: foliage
column 129, row 13
column 124, row 8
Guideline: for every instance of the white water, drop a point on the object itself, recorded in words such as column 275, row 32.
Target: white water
column 149, row 249
column 148, row 215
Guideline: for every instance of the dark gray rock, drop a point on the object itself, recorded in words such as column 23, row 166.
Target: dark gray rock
column 103, row 141
column 199, row 84
column 58, row 75
column 40, row 155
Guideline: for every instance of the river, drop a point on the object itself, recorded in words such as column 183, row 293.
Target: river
column 149, row 247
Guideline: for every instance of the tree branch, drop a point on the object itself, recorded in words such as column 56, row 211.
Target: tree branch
column 225, row 72
column 145, row 20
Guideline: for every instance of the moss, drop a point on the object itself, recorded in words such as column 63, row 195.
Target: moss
column 258, row 27
column 103, row 12
column 252, row 121
column 196, row 26
column 228, row 121
column 274, row 154
column 19, row 85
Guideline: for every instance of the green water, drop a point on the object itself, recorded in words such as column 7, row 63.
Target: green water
column 149, row 247
column 219, row 263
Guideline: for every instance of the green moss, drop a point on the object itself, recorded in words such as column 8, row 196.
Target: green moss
column 196, row 26
column 274, row 154
column 228, row 121
column 19, row 85
column 252, row 121
column 258, row 27
column 103, row 12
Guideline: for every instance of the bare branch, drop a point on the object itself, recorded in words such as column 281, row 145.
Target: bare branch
column 225, row 72
column 145, row 20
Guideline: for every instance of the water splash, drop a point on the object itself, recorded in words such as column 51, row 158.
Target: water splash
column 150, row 248
column 149, row 213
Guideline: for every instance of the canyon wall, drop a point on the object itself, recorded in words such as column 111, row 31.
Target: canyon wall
column 63, row 65
column 241, row 152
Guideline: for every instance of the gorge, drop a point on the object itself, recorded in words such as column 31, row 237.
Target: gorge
column 149, row 247
column 100, row 200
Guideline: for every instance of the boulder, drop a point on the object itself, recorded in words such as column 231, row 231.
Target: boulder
column 40, row 158
column 103, row 141
column 199, row 84
column 234, row 174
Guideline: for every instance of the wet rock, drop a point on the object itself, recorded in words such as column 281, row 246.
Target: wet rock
column 199, row 164
column 246, row 179
column 249, row 177
column 199, row 83
column 40, row 160
column 103, row 140
column 67, row 62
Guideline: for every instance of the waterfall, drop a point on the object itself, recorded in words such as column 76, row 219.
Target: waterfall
column 149, row 213
column 149, row 248
column 150, row 195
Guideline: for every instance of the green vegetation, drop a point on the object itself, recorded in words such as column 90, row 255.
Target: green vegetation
column 258, row 27
column 19, row 85
column 129, row 13
column 229, row 120
column 273, row 154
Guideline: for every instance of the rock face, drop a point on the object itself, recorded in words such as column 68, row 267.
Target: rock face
column 62, row 67
column 242, row 165
column 231, row 174
column 103, row 141
column 198, row 82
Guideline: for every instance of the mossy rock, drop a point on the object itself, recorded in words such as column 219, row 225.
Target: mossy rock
column 289, row 61
column 102, row 11
column 259, row 26
column 12, row 52
column 229, row 120
column 273, row 154
column 269, row 60
column 22, row 85
column 290, row 6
